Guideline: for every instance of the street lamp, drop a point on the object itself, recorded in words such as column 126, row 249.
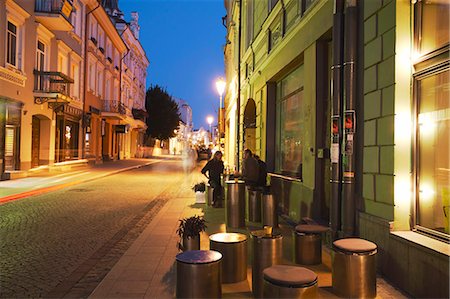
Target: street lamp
column 209, row 120
column 220, row 86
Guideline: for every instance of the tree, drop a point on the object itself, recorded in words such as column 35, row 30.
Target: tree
column 163, row 116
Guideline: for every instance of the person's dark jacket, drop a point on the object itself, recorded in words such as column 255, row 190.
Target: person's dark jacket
column 214, row 168
column 250, row 171
column 262, row 177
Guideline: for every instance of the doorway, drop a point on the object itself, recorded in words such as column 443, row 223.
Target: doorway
column 35, row 141
column 250, row 125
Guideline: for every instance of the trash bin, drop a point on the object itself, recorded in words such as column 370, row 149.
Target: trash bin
column 233, row 247
column 198, row 274
column 235, row 204
column 269, row 210
column 254, row 204
column 267, row 251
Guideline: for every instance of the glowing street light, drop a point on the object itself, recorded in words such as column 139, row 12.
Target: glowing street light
column 209, row 120
column 220, row 86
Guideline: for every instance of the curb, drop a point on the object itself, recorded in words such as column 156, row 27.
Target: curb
column 9, row 198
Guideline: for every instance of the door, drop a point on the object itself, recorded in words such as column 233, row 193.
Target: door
column 35, row 141
column 10, row 147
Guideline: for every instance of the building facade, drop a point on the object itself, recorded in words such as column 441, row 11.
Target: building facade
column 347, row 103
column 63, row 91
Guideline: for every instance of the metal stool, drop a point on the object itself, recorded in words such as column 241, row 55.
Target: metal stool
column 308, row 244
column 233, row 247
column 198, row 274
column 209, row 194
column 281, row 281
column 254, row 197
column 267, row 251
column 354, row 268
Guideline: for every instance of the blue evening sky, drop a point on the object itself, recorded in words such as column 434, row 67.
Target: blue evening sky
column 183, row 40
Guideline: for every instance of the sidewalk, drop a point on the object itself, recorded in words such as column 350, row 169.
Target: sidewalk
column 148, row 268
column 46, row 182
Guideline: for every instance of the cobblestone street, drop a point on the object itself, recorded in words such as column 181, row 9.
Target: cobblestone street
column 65, row 242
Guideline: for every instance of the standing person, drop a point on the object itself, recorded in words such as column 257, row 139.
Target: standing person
column 215, row 168
column 250, row 169
column 262, row 177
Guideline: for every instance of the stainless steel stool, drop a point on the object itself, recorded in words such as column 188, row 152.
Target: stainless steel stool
column 267, row 251
column 308, row 244
column 354, row 268
column 282, row 281
column 233, row 247
column 209, row 195
column 235, row 204
column 254, row 197
column 269, row 211
column 198, row 274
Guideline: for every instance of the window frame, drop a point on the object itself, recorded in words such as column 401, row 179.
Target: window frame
column 427, row 65
column 17, row 36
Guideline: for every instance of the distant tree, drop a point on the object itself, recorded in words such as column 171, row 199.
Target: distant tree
column 163, row 116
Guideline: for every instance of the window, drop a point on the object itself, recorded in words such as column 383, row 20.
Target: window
column 75, row 73
column 40, row 56
column 432, row 25
column 11, row 47
column 272, row 4
column 92, row 77
column 100, row 82
column 289, row 124
column 432, row 106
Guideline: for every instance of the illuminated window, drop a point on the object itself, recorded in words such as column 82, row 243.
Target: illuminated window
column 432, row 100
column 290, row 124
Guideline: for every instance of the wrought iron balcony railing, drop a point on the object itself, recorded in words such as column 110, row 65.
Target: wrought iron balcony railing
column 114, row 107
column 52, row 82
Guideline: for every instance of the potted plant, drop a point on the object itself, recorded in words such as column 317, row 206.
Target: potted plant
column 199, row 190
column 189, row 231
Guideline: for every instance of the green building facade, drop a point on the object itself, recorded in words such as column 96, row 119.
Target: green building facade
column 280, row 64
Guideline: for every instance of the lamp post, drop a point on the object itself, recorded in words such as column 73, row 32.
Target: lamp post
column 220, row 86
column 209, row 120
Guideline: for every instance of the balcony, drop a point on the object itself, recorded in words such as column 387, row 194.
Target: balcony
column 51, row 87
column 54, row 14
column 114, row 110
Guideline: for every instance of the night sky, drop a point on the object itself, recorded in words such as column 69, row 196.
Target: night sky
column 183, row 40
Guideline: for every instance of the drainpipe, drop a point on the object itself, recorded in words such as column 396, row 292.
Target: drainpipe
column 336, row 119
column 238, row 100
column 120, row 88
column 83, row 115
column 351, row 47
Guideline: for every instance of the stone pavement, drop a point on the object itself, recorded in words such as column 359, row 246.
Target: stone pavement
column 148, row 268
column 47, row 182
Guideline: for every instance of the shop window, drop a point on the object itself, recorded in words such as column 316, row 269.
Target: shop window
column 432, row 94
column 290, row 125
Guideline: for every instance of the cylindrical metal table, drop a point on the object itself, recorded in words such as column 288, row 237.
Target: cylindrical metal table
column 267, row 251
column 198, row 274
column 235, row 204
column 254, row 204
column 269, row 211
column 233, row 247
column 308, row 244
